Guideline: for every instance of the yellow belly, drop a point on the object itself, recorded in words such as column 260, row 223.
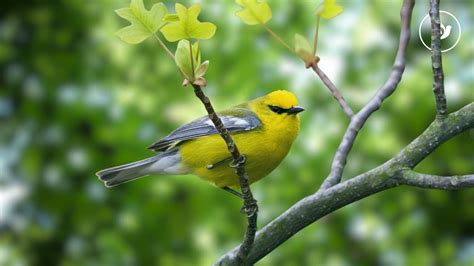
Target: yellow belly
column 263, row 152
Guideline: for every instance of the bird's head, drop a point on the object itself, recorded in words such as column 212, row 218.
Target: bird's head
column 279, row 103
column 278, row 112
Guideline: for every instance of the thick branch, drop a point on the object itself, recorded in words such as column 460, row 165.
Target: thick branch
column 250, row 204
column 374, row 104
column 390, row 174
column 333, row 89
column 436, row 59
column 415, row 179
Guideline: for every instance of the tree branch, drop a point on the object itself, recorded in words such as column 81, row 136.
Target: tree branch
column 250, row 207
column 333, row 89
column 436, row 60
column 415, row 179
column 390, row 174
column 374, row 104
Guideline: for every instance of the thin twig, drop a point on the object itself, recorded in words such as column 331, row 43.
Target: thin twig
column 358, row 120
column 436, row 60
column 250, row 207
column 390, row 174
column 333, row 89
column 335, row 92
column 412, row 178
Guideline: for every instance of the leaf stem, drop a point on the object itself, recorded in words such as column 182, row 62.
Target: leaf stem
column 192, row 58
column 278, row 38
column 315, row 44
column 163, row 45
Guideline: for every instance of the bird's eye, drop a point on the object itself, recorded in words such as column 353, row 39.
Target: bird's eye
column 276, row 109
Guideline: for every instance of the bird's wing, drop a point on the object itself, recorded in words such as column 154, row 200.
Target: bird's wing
column 235, row 120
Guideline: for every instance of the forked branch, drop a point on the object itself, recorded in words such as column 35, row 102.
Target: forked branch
column 359, row 119
column 395, row 172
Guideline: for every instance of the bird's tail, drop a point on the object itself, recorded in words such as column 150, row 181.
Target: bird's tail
column 164, row 163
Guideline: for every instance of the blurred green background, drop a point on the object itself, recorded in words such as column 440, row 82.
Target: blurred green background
column 75, row 99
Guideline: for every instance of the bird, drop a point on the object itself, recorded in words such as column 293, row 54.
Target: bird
column 263, row 129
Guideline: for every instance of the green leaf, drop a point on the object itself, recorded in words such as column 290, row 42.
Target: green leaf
column 202, row 69
column 254, row 12
column 303, row 49
column 144, row 23
column 183, row 58
column 188, row 26
column 329, row 9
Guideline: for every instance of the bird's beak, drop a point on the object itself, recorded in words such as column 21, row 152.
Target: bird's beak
column 295, row 109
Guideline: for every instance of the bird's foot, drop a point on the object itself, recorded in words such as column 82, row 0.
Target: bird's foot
column 250, row 208
column 240, row 162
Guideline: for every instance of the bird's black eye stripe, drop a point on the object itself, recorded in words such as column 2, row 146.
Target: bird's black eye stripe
column 277, row 109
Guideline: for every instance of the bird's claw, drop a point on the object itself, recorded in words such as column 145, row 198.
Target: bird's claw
column 238, row 163
column 249, row 208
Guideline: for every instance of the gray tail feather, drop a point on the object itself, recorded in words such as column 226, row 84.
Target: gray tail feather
column 124, row 173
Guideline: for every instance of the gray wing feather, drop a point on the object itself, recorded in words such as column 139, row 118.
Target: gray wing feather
column 243, row 120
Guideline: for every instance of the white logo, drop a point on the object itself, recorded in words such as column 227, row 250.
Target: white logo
column 446, row 30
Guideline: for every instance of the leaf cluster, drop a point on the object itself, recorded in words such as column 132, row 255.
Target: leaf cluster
column 183, row 26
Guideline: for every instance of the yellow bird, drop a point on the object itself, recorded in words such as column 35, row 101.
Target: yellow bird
column 263, row 129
